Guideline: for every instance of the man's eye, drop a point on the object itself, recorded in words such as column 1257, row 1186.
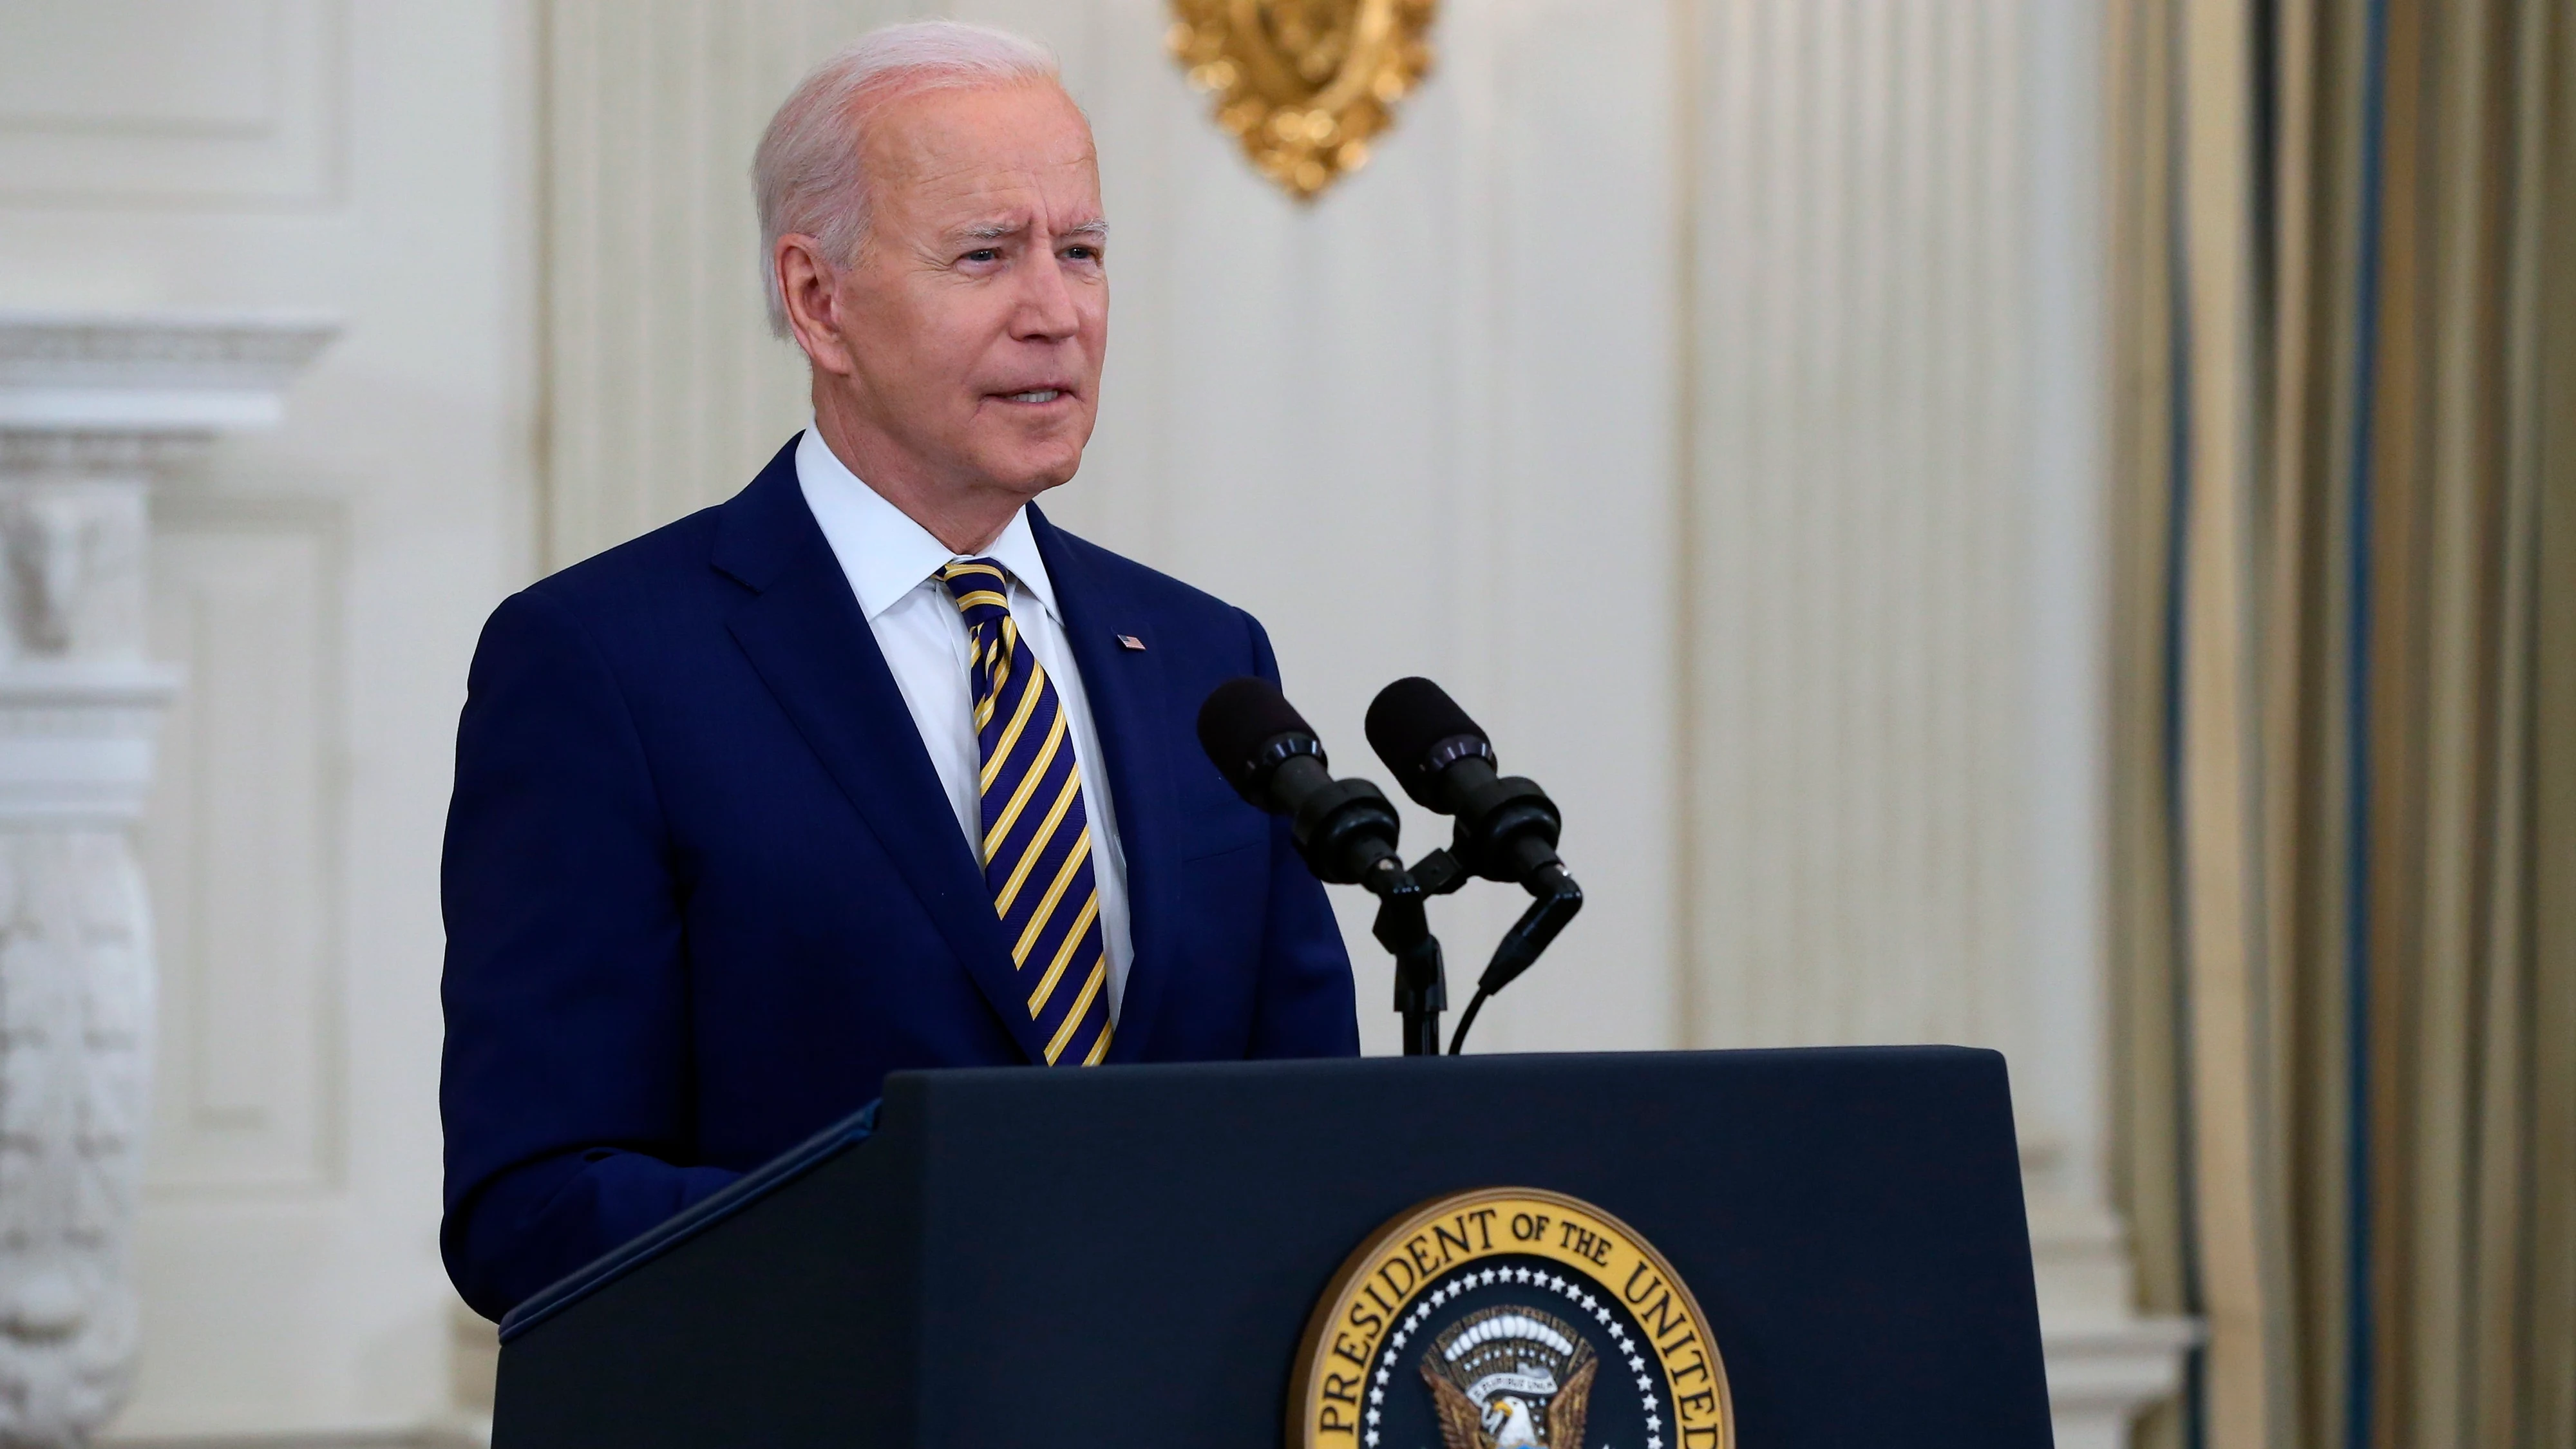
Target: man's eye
column 1083, row 254
column 984, row 254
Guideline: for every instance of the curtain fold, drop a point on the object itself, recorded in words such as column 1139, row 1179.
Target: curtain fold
column 2341, row 789
column 2148, row 1169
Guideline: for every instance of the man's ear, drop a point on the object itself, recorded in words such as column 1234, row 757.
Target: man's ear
column 809, row 286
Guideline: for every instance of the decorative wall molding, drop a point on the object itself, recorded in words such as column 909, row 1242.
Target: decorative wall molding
column 79, row 706
column 465, row 1434
column 124, row 454
column 214, row 350
column 223, row 103
column 86, row 386
column 241, row 846
column 2106, row 1364
column 76, row 739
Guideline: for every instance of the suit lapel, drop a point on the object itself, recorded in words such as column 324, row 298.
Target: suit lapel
column 812, row 646
column 1125, row 689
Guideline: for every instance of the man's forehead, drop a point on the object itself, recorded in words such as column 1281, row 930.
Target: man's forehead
column 1014, row 135
column 999, row 204
column 966, row 160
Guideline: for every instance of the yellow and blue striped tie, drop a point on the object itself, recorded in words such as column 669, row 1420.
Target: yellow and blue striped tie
column 1037, row 839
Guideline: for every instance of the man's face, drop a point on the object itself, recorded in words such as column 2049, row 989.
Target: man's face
column 974, row 319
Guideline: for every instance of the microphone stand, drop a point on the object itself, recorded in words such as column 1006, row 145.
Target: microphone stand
column 1402, row 927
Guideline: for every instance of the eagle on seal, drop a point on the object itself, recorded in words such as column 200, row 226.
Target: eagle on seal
column 1506, row 1421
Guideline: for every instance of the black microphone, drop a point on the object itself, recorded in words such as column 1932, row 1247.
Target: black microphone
column 1345, row 829
column 1507, row 827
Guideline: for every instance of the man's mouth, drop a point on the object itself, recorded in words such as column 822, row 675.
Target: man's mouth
column 1034, row 395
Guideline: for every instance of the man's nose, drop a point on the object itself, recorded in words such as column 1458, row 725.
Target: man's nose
column 1047, row 312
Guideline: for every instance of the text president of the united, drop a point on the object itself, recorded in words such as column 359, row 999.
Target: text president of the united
column 870, row 767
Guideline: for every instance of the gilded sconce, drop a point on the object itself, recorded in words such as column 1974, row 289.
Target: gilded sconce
column 1305, row 85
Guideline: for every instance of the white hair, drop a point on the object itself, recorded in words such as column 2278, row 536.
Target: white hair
column 809, row 175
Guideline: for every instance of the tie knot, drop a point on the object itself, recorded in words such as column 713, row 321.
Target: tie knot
column 979, row 586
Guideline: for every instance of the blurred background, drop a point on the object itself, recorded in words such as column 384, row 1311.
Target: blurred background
column 2046, row 524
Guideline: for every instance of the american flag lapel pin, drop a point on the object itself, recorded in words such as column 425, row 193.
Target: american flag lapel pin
column 1130, row 641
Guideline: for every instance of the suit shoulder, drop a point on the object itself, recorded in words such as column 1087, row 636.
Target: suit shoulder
column 1168, row 597
column 685, row 568
column 651, row 562
column 626, row 606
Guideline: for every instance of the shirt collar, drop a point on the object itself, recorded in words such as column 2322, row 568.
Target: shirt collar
column 885, row 553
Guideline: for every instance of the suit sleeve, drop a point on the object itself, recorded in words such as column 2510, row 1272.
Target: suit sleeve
column 1306, row 1003
column 564, row 1084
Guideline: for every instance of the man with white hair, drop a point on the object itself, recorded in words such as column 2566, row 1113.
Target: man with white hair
column 870, row 767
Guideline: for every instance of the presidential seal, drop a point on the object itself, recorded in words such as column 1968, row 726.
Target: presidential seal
column 1508, row 1318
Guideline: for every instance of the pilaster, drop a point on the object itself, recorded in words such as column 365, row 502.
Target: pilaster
column 93, row 411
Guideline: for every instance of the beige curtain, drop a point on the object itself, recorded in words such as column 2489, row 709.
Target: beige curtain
column 2346, row 439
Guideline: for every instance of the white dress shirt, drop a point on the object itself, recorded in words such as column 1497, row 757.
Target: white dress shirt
column 893, row 565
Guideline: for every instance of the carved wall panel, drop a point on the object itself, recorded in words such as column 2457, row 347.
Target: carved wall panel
column 75, row 1021
column 85, row 403
column 223, row 102
column 237, row 843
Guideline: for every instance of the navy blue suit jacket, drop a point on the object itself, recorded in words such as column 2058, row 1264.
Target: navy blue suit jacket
column 704, row 890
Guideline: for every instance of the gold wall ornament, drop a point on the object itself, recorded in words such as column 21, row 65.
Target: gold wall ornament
column 1304, row 84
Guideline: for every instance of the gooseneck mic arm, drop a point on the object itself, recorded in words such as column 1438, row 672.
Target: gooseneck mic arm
column 1344, row 829
column 1558, row 899
column 1506, row 829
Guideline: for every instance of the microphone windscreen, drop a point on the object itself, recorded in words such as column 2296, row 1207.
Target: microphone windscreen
column 1237, row 718
column 1407, row 718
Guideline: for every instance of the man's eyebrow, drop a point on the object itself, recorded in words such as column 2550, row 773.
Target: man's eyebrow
column 1003, row 230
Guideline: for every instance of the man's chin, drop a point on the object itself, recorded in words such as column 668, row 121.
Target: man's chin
column 1032, row 471
column 1029, row 478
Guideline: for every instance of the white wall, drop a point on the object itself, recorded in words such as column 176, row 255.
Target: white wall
column 1893, row 557
column 323, row 584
